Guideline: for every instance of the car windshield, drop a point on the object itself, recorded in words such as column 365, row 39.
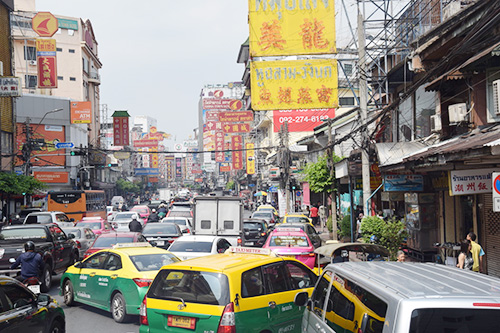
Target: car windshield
column 126, row 216
column 262, row 215
column 76, row 232
column 176, row 221
column 39, row 219
column 152, row 262
column 160, row 228
column 91, row 225
column 110, row 241
column 191, row 246
column 289, row 241
column 191, row 286
column 23, row 233
column 300, row 219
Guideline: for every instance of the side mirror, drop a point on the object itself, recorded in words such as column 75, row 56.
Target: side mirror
column 153, row 243
column 79, row 265
column 301, row 298
column 72, row 220
column 43, row 300
column 184, row 231
column 71, row 236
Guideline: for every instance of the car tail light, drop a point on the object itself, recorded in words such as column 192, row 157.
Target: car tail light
column 142, row 282
column 239, row 241
column 78, row 244
column 263, row 234
column 188, row 231
column 227, row 322
column 312, row 254
column 143, row 313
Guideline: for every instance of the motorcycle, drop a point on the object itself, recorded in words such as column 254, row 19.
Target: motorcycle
column 33, row 283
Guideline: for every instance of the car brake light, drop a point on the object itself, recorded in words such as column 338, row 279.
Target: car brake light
column 227, row 322
column 188, row 231
column 78, row 244
column 263, row 234
column 142, row 282
column 143, row 313
column 239, row 241
column 312, row 254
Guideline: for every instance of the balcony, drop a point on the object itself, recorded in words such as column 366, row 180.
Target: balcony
column 94, row 77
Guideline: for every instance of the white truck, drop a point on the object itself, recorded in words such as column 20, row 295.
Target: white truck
column 219, row 216
column 164, row 194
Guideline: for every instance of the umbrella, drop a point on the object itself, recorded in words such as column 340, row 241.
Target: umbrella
column 259, row 194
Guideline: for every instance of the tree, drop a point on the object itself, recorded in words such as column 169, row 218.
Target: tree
column 14, row 184
column 389, row 234
column 124, row 186
column 318, row 175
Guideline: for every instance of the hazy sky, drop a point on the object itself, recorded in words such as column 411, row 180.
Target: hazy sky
column 158, row 54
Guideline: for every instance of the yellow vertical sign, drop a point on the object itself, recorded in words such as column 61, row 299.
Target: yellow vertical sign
column 286, row 27
column 250, row 158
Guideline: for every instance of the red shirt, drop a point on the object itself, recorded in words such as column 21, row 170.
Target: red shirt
column 314, row 211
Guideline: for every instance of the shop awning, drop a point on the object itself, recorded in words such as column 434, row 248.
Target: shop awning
column 390, row 153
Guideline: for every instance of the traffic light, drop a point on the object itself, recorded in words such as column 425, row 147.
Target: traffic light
column 77, row 153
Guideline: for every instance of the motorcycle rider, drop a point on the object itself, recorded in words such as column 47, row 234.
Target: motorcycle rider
column 134, row 225
column 30, row 261
column 153, row 217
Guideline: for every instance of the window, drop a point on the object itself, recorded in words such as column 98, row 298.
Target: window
column 60, row 78
column 319, row 296
column 299, row 276
column 275, row 277
column 30, row 81
column 72, row 78
column 16, row 296
column 346, row 101
column 252, row 283
column 453, row 320
column 71, row 32
column 58, row 49
column 29, row 53
column 341, row 305
column 96, row 261
column 71, row 51
column 113, row 263
column 222, row 246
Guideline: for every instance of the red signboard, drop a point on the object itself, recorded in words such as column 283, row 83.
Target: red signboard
column 146, row 143
column 237, row 144
column 301, row 120
column 236, row 117
column 52, row 177
column 120, row 131
column 44, row 24
column 222, row 104
column 219, row 146
column 47, row 72
column 225, row 168
column 50, row 135
column 212, row 115
column 81, row 112
column 235, row 128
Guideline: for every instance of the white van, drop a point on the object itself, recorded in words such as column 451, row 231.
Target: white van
column 383, row 297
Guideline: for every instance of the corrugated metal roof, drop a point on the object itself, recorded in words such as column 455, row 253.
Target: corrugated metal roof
column 393, row 152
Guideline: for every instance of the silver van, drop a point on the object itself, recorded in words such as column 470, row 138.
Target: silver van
column 383, row 297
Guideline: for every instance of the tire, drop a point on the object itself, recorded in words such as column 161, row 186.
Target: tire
column 57, row 327
column 68, row 293
column 46, row 279
column 119, row 309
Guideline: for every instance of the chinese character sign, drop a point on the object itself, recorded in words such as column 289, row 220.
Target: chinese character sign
column 237, row 144
column 470, row 181
column 250, row 158
column 120, row 131
column 296, row 84
column 219, row 146
column 284, row 27
column 47, row 72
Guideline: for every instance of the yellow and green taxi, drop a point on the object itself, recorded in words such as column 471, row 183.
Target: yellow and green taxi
column 115, row 279
column 296, row 218
column 241, row 290
column 268, row 208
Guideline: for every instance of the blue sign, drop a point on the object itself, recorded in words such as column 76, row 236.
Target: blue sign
column 62, row 145
column 251, row 185
column 403, row 183
column 273, row 189
column 146, row 172
column 298, row 193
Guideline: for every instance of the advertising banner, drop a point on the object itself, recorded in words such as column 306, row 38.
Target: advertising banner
column 145, row 143
column 222, row 104
column 235, row 117
column 10, row 86
column 219, row 146
column 178, row 167
column 154, row 157
column 146, row 171
column 44, row 24
column 47, row 72
column 303, row 120
column 237, row 144
column 81, row 112
column 225, row 167
column 45, row 47
column 49, row 136
column 211, row 115
column 235, row 128
column 403, row 183
column 284, row 27
column 471, row 181
column 120, row 131
column 294, row 84
column 250, row 158
column 52, row 177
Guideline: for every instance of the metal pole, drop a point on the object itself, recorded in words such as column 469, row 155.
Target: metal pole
column 332, row 174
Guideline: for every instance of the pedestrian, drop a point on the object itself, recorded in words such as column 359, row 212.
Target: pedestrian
column 314, row 215
column 322, row 214
column 477, row 253
column 359, row 220
column 134, row 225
column 307, row 212
column 465, row 260
column 401, row 256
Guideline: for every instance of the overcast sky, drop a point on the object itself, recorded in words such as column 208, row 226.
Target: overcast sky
column 157, row 55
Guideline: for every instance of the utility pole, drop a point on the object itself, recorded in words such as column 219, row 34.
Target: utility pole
column 363, row 92
column 285, row 164
column 27, row 147
column 332, row 175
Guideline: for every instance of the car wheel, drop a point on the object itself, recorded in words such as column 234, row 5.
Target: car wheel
column 118, row 308
column 69, row 297
column 46, row 279
column 57, row 327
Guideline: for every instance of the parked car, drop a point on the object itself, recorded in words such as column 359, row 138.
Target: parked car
column 162, row 234
column 23, row 311
column 83, row 237
column 47, row 217
column 292, row 242
column 57, row 250
column 98, row 225
column 125, row 273
column 108, row 240
column 122, row 219
column 192, row 246
column 183, row 222
column 143, row 211
column 255, row 232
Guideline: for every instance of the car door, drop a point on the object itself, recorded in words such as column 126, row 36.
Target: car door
column 106, row 278
column 89, row 238
column 87, row 284
column 314, row 319
column 63, row 247
column 313, row 235
column 17, row 313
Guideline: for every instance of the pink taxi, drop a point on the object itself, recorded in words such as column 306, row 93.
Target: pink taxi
column 292, row 242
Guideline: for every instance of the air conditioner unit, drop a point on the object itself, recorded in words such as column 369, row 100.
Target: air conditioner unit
column 457, row 113
column 496, row 97
column 436, row 123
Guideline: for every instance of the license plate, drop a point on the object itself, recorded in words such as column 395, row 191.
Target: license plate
column 35, row 288
column 183, row 322
column 161, row 243
column 249, row 243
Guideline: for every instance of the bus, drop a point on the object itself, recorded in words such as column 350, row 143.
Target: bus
column 78, row 204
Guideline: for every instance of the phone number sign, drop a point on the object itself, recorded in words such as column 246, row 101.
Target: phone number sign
column 302, row 120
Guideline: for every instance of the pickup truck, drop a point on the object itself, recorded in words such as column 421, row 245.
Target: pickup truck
column 57, row 250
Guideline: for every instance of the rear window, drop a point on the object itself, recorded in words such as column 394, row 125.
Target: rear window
column 191, row 247
column 152, row 262
column 124, row 216
column 163, row 228
column 191, row 286
column 292, row 219
column 90, row 225
column 295, row 241
column 110, row 241
column 179, row 213
column 23, row 233
column 76, row 232
column 179, row 221
column 39, row 219
column 252, row 225
column 454, row 320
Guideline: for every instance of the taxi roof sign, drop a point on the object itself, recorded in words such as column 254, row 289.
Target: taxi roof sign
column 249, row 250
column 45, row 24
column 289, row 229
column 129, row 245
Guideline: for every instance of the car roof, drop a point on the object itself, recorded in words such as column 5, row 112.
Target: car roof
column 119, row 234
column 427, row 280
column 30, row 225
column 45, row 213
column 139, row 250
column 282, row 232
column 198, row 238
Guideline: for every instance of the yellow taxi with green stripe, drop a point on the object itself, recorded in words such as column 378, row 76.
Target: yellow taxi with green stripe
column 241, row 290
column 115, row 279
column 297, row 218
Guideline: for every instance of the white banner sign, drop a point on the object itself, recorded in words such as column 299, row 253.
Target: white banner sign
column 476, row 181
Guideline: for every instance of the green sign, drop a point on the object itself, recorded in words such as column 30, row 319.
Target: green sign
column 67, row 24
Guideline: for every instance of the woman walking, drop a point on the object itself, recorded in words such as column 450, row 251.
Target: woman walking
column 465, row 260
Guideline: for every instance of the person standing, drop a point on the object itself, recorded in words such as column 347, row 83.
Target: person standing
column 314, row 215
column 359, row 220
column 477, row 253
column 465, row 260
